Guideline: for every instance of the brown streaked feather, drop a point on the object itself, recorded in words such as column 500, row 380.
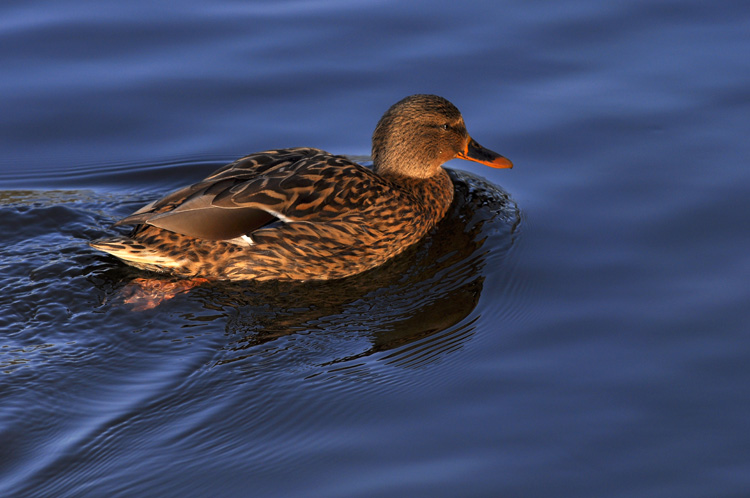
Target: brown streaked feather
column 208, row 210
column 242, row 170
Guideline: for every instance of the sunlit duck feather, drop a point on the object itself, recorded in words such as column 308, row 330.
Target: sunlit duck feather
column 305, row 214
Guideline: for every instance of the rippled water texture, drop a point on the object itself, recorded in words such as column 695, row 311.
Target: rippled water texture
column 217, row 343
column 576, row 326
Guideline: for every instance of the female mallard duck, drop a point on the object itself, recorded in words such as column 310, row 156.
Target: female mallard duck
column 304, row 214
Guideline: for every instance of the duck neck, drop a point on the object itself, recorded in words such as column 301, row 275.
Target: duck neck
column 405, row 166
column 434, row 194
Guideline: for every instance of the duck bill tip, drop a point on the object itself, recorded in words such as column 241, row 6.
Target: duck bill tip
column 500, row 162
column 477, row 153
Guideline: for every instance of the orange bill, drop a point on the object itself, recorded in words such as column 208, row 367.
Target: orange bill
column 475, row 152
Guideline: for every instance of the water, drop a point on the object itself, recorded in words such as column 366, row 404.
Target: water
column 576, row 327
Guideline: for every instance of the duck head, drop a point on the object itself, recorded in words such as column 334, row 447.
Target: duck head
column 420, row 133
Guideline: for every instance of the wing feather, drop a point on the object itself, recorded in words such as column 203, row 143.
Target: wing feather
column 286, row 184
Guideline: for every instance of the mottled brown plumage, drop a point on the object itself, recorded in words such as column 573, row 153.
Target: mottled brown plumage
column 304, row 214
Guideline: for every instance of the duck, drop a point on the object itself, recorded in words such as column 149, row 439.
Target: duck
column 301, row 214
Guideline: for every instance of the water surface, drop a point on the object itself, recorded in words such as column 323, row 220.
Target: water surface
column 577, row 326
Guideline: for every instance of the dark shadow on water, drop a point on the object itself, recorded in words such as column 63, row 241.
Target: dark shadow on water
column 417, row 306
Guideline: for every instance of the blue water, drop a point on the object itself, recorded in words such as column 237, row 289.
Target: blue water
column 578, row 326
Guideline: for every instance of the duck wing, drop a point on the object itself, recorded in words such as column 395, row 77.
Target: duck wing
column 300, row 184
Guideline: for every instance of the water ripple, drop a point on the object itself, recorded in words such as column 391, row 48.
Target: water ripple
column 73, row 349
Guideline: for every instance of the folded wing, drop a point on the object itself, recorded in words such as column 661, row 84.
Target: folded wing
column 259, row 189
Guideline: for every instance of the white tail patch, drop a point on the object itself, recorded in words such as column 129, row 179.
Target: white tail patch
column 121, row 248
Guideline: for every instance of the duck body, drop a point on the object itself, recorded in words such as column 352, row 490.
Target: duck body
column 303, row 213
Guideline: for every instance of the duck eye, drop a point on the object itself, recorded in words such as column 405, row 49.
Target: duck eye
column 444, row 127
